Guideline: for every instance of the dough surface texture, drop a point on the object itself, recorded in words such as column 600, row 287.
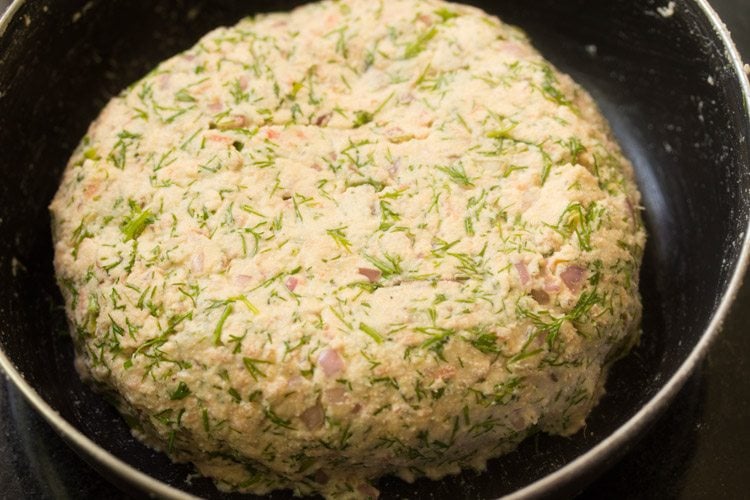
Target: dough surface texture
column 357, row 239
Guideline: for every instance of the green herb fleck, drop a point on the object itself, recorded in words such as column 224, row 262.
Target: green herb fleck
column 137, row 222
column 220, row 325
column 362, row 118
column 276, row 420
column 484, row 341
column 251, row 364
column 581, row 221
column 118, row 155
column 339, row 237
column 457, row 174
column 550, row 89
column 389, row 266
column 80, row 234
column 181, row 392
column 446, row 14
column 372, row 333
column 420, row 44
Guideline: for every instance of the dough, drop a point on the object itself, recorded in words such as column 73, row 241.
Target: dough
column 357, row 239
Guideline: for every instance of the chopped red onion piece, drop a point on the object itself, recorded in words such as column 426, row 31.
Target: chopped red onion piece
column 330, row 361
column 573, row 277
column 523, row 272
column 540, row 296
column 313, row 417
column 371, row 274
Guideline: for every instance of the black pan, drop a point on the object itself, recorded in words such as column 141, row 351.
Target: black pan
column 669, row 80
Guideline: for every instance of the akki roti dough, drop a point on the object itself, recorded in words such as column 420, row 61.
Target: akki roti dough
column 356, row 239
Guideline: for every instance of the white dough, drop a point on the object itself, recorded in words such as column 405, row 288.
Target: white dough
column 357, row 239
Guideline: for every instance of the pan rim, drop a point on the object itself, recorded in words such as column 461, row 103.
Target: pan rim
column 570, row 471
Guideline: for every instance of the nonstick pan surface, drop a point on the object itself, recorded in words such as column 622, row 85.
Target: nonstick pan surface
column 669, row 84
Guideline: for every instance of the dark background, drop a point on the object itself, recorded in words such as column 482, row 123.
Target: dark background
column 699, row 449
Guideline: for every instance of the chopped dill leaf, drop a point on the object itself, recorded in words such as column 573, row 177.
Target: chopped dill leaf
column 80, row 234
column 339, row 237
column 181, row 392
column 276, row 420
column 581, row 221
column 484, row 341
column 438, row 337
column 446, row 14
column 136, row 223
column 550, row 89
column 184, row 96
column 118, row 155
column 389, row 266
column 251, row 364
column 243, row 299
column 362, row 118
column 457, row 174
column 420, row 44
column 220, row 325
column 377, row 337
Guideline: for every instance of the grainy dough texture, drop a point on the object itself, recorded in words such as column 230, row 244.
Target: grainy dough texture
column 357, row 239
